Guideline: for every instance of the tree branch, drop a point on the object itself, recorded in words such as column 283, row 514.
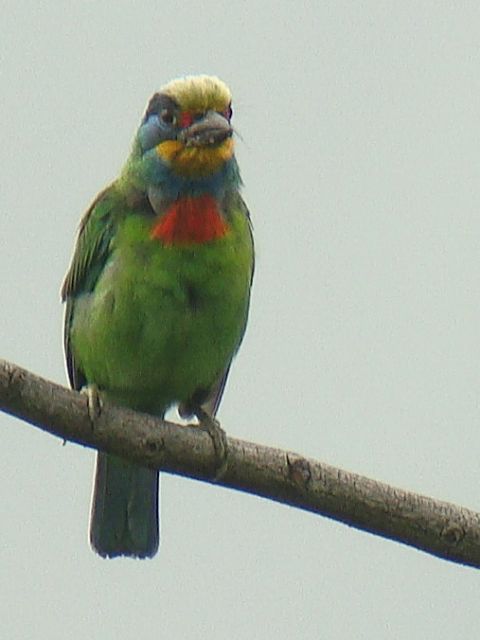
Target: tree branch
column 439, row 528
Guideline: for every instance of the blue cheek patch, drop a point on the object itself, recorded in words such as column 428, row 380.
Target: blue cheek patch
column 150, row 133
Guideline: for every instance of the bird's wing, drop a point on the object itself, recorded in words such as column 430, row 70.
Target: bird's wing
column 91, row 252
column 211, row 402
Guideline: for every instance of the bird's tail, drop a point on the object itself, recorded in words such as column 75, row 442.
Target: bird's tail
column 124, row 519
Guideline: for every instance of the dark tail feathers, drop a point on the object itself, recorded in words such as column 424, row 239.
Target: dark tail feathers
column 124, row 520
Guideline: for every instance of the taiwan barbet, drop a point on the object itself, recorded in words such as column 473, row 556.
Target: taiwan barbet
column 157, row 293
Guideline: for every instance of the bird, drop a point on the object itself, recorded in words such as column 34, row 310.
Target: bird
column 157, row 293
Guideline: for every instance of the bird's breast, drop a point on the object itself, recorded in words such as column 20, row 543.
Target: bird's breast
column 190, row 220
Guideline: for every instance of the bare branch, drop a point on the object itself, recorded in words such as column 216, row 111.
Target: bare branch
column 439, row 528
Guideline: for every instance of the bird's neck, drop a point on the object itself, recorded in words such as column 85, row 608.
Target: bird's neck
column 148, row 172
column 190, row 220
column 188, row 210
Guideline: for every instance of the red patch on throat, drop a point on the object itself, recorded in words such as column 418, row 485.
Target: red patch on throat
column 190, row 221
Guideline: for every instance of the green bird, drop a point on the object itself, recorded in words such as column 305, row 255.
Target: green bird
column 158, row 290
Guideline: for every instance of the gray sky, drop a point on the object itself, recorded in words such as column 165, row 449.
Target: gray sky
column 360, row 154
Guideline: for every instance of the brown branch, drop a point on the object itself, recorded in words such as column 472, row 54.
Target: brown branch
column 439, row 528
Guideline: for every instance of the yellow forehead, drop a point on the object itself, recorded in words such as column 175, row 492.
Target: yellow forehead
column 199, row 93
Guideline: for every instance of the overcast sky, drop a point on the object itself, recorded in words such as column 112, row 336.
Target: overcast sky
column 360, row 154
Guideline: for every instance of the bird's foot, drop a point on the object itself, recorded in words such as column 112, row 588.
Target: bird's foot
column 219, row 439
column 94, row 402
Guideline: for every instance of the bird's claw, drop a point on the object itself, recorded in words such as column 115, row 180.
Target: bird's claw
column 94, row 402
column 219, row 440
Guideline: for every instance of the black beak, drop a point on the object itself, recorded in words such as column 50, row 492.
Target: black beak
column 211, row 130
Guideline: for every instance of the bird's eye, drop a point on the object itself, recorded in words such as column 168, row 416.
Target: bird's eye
column 168, row 117
column 228, row 113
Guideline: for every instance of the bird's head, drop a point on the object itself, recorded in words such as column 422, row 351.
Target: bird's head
column 185, row 141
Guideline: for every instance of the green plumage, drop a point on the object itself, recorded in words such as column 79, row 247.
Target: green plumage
column 150, row 325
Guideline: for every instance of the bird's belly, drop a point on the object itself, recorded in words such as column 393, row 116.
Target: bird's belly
column 153, row 340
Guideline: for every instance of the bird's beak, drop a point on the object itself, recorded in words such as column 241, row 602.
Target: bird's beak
column 211, row 130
